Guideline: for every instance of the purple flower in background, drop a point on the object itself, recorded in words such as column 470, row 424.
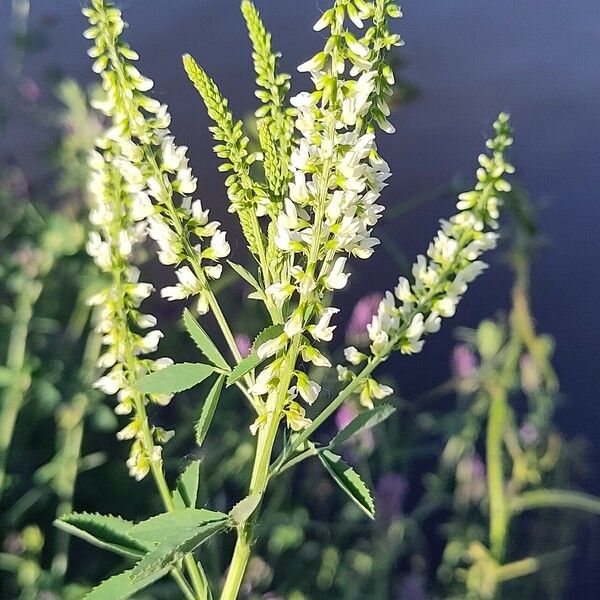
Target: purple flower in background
column 389, row 497
column 344, row 415
column 365, row 439
column 530, row 375
column 471, row 484
column 529, row 433
column 362, row 313
column 412, row 588
column 29, row 90
column 464, row 362
column 243, row 343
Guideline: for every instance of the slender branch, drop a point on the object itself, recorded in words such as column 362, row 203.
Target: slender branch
column 554, row 498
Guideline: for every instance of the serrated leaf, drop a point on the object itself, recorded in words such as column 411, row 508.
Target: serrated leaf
column 105, row 531
column 208, row 410
column 365, row 420
column 185, row 494
column 179, row 543
column 347, row 478
column 244, row 508
column 253, row 360
column 160, row 527
column 203, row 341
column 122, row 586
column 174, row 378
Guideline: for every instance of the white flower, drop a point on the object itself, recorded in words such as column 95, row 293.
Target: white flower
column 416, row 328
column 313, row 65
column 214, row 271
column 111, row 383
column 309, row 390
column 402, row 290
column 187, row 183
column 149, row 343
column 188, row 285
column 311, row 354
column 141, row 206
column 271, row 347
column 262, row 384
column 337, row 279
column 219, row 247
column 278, row 293
column 322, row 330
column 354, row 356
column 446, row 307
column 294, row 324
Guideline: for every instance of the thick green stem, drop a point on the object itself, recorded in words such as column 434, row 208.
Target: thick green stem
column 260, row 474
column 498, row 508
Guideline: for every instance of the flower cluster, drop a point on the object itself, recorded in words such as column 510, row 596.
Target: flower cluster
column 337, row 176
column 441, row 278
column 155, row 168
column 118, row 228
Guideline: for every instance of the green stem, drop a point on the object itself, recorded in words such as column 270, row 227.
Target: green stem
column 72, row 425
column 529, row 565
column 553, row 498
column 260, row 474
column 14, row 395
column 498, row 509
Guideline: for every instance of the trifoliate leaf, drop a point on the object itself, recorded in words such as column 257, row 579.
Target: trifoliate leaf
column 163, row 526
column 253, row 360
column 208, row 410
column 174, row 378
column 204, row 343
column 179, row 542
column 365, row 420
column 105, row 531
column 347, row 478
column 122, row 586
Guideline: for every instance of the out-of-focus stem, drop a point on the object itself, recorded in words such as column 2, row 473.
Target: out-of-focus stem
column 71, row 428
column 14, row 394
column 498, row 509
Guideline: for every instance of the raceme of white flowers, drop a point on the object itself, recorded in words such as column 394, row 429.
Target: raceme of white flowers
column 441, row 278
column 137, row 172
column 307, row 202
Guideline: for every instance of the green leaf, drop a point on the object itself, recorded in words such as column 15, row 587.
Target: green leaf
column 179, row 543
column 122, row 586
column 365, row 420
column 246, row 276
column 185, row 494
column 244, row 508
column 347, row 478
column 174, row 378
column 253, row 360
column 161, row 527
column 204, row 343
column 105, row 531
column 208, row 410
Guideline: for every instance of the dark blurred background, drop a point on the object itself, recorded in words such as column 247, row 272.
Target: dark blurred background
column 539, row 60
column 468, row 59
